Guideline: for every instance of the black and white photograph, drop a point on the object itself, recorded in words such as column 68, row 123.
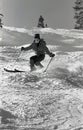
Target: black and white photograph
column 41, row 64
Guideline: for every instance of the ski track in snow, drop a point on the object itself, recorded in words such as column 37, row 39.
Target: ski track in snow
column 41, row 101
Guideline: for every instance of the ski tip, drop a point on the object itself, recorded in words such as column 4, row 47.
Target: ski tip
column 14, row 71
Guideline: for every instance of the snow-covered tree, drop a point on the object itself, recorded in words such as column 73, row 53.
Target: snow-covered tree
column 1, row 24
column 41, row 23
column 78, row 14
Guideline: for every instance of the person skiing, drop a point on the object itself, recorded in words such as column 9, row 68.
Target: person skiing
column 40, row 48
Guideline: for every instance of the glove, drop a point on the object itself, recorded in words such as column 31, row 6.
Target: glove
column 52, row 55
column 22, row 48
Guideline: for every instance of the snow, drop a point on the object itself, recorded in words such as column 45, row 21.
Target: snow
column 73, row 33
column 0, row 39
column 46, row 101
column 68, row 41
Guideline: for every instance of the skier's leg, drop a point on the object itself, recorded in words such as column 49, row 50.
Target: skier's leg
column 39, row 59
column 32, row 63
column 39, row 64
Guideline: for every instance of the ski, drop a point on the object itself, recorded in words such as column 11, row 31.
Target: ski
column 13, row 71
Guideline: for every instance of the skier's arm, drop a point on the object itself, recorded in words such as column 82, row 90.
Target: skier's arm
column 26, row 48
column 48, row 52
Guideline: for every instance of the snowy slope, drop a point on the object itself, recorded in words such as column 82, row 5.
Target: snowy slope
column 11, row 36
column 42, row 101
column 64, row 32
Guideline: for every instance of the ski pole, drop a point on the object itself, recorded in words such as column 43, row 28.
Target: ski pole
column 48, row 64
column 17, row 58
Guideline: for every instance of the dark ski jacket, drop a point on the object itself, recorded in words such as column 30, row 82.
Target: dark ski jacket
column 39, row 48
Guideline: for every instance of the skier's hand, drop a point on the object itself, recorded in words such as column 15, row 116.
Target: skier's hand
column 52, row 55
column 22, row 48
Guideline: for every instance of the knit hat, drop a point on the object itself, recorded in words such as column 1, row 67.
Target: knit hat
column 37, row 36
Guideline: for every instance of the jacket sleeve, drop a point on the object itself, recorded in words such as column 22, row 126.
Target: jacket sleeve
column 47, row 50
column 28, row 48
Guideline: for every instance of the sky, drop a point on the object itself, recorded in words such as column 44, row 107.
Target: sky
column 25, row 13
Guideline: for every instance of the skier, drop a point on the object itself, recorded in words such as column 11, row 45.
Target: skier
column 40, row 48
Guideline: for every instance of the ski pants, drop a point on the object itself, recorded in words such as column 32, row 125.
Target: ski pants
column 35, row 60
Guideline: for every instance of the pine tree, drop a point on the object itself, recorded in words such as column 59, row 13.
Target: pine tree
column 1, row 24
column 78, row 14
column 41, row 22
